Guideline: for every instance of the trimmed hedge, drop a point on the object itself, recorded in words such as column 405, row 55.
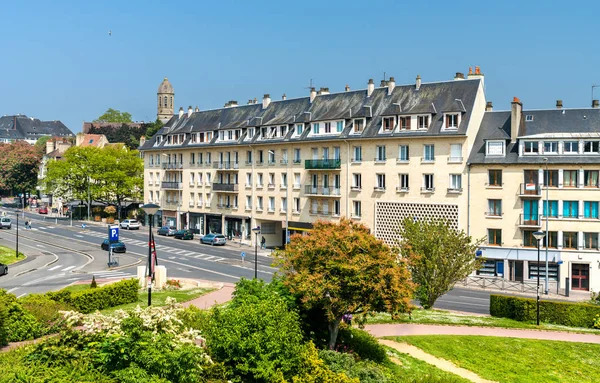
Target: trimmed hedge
column 561, row 313
column 100, row 298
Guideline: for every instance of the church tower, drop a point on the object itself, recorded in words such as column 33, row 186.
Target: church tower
column 165, row 101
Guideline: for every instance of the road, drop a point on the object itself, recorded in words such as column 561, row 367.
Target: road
column 467, row 300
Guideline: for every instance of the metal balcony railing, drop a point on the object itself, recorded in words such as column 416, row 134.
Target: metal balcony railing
column 530, row 190
column 532, row 220
column 171, row 185
column 226, row 165
column 326, row 164
column 320, row 190
column 220, row 187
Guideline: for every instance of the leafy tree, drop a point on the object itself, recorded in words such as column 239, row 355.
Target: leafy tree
column 113, row 115
column 40, row 144
column 154, row 127
column 438, row 257
column 19, row 167
column 127, row 134
column 341, row 268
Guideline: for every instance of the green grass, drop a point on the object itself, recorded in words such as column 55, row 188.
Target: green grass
column 159, row 298
column 515, row 360
column 7, row 255
column 421, row 316
column 415, row 370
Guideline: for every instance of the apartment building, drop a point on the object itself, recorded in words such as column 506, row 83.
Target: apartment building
column 538, row 170
column 376, row 155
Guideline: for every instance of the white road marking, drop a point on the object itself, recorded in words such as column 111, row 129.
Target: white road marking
column 209, row 258
column 68, row 268
column 179, row 251
column 54, row 268
column 41, row 246
column 11, row 290
column 463, row 303
column 172, row 257
column 22, row 295
column 481, row 299
column 79, row 236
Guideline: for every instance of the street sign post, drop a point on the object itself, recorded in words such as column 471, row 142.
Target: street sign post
column 243, row 256
column 113, row 233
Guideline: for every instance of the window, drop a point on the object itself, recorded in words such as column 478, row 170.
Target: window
column 315, row 127
column 494, row 237
column 297, row 158
column 388, row 124
column 495, row 177
column 356, row 181
column 356, row 209
column 380, row 181
column 336, row 153
column 428, row 153
column 259, row 203
column 551, row 147
column 271, row 203
column 208, row 178
column 455, row 182
column 451, row 121
column 284, row 180
column 284, row 204
column 423, row 122
column 428, row 182
column 249, row 157
column 403, row 155
column 271, row 180
column 551, row 178
column 248, row 202
column 403, row 182
column 590, row 146
column 151, row 194
column 570, row 239
column 359, row 125
column 191, row 203
column 296, row 180
column 191, row 178
column 199, row 179
column 151, row 179
column 528, row 238
column 248, row 179
column 590, row 241
column 590, row 209
column 314, row 208
column 590, row 178
column 271, row 157
column 455, row 153
column 357, row 156
column 283, row 130
column 529, row 117
column 208, row 158
column 405, row 123
column 551, row 239
column 380, row 150
column 259, row 180
column 570, row 178
column 531, row 147
column 340, row 126
column 553, row 213
column 296, row 205
column 199, row 158
column 327, row 127
column 494, row 148
column 570, row 209
column 336, row 207
column 495, row 207
column 571, row 147
column 299, row 129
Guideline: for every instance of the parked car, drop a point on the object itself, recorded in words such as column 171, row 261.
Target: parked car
column 43, row 210
column 214, row 239
column 3, row 269
column 184, row 234
column 130, row 224
column 167, row 230
column 5, row 223
column 118, row 247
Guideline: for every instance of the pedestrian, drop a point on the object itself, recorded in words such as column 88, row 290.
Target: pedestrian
column 27, row 224
column 263, row 243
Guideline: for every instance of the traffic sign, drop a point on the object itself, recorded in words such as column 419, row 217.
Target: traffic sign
column 113, row 233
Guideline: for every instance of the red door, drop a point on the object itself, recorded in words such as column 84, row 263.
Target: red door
column 580, row 276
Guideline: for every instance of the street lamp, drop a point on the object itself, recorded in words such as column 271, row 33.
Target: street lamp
column 256, row 231
column 287, row 196
column 17, row 247
column 547, row 214
column 539, row 235
column 150, row 209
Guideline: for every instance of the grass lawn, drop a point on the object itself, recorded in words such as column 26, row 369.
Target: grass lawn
column 515, row 360
column 412, row 369
column 7, row 255
column 159, row 298
column 422, row 316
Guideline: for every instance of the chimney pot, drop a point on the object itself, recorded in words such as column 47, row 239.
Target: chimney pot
column 516, row 99
column 370, row 87
column 266, row 100
column 477, row 70
column 595, row 104
column 559, row 104
column 180, row 111
column 190, row 110
column 516, row 115
column 459, row 76
column 347, row 88
column 489, row 107
column 470, row 70
column 255, row 100
column 418, row 82
column 313, row 94
column 283, row 97
column 197, row 109
column 391, row 84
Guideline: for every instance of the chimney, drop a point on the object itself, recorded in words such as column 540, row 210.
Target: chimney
column 180, row 111
column 459, row 76
column 284, row 97
column 476, row 75
column 255, row 101
column 266, row 100
column 595, row 104
column 383, row 84
column 516, row 114
column 347, row 88
column 324, row 91
column 313, row 94
column 558, row 104
column 250, row 102
column 142, row 140
column 49, row 145
column 233, row 103
column 391, row 84
column 370, row 87
column 418, row 82
column 489, row 107
column 190, row 110
column 197, row 109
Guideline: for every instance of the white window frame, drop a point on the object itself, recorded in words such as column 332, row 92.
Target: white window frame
column 428, row 153
column 553, row 147
column 356, row 181
column 392, row 124
column 354, row 125
column 531, row 144
column 569, row 144
column 455, row 117
column 495, row 144
column 428, row 179
column 403, row 181
column 423, row 122
column 380, row 181
column 454, row 150
column 357, row 154
column 379, row 150
column 455, row 183
column 356, row 209
column 403, row 153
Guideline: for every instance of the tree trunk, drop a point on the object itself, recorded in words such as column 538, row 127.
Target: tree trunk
column 334, row 328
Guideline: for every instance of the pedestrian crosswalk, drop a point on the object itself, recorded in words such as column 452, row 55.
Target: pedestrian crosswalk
column 112, row 275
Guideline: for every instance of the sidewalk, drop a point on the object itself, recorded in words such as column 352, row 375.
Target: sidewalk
column 220, row 296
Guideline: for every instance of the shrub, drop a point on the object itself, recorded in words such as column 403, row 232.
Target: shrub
column 561, row 313
column 21, row 325
column 3, row 318
column 112, row 295
column 312, row 369
column 363, row 344
column 93, row 285
column 45, row 310
column 365, row 371
column 193, row 317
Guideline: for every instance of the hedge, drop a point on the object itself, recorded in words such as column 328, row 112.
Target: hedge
column 561, row 313
column 100, row 298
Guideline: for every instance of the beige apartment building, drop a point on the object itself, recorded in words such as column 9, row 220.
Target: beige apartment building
column 376, row 155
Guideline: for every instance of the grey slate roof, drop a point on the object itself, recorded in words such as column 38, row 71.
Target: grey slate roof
column 431, row 98
column 22, row 127
column 496, row 126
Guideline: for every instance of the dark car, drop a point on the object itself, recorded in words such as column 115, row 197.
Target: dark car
column 167, row 230
column 118, row 247
column 3, row 269
column 43, row 210
column 214, row 239
column 184, row 234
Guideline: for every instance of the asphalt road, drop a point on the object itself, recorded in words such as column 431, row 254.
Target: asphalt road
column 467, row 300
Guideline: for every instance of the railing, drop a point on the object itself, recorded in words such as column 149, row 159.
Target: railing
column 226, row 206
column 320, row 190
column 226, row 165
column 529, row 220
column 499, row 283
column 170, row 205
column 172, row 166
column 454, row 190
column 322, row 164
column 171, row 185
column 530, row 190
column 455, row 160
column 219, row 187
column 297, row 161
column 427, row 190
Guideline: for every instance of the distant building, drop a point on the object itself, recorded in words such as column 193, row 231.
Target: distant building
column 98, row 140
column 166, row 98
column 23, row 128
column 87, row 126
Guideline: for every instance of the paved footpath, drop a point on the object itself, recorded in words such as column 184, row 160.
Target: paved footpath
column 220, row 296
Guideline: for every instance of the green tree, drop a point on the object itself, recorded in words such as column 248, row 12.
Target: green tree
column 40, row 144
column 113, row 115
column 438, row 257
column 341, row 268
column 152, row 128
column 19, row 167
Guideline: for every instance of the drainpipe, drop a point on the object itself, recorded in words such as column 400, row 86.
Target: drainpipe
column 348, row 179
column 253, row 201
column 468, row 199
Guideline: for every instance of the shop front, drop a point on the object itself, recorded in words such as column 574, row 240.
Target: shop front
column 169, row 218
column 235, row 227
column 214, row 223
column 196, row 223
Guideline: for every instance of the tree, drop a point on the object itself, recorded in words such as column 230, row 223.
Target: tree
column 40, row 144
column 113, row 115
column 340, row 268
column 438, row 257
column 19, row 167
column 154, row 127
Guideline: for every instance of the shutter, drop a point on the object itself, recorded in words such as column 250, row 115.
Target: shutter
column 447, row 121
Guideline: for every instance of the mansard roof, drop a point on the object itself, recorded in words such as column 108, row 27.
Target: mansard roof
column 21, row 127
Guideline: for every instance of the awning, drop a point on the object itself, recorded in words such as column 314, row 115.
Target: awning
column 298, row 229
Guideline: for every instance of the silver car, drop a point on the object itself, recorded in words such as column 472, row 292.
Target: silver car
column 5, row 223
column 130, row 224
column 214, row 239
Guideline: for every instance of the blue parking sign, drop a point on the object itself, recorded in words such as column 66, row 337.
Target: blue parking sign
column 113, row 234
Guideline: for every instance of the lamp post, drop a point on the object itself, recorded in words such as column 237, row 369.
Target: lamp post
column 287, row 197
column 547, row 214
column 256, row 231
column 539, row 235
column 17, row 244
column 150, row 209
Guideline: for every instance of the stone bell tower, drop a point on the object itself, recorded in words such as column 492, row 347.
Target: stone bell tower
column 166, row 101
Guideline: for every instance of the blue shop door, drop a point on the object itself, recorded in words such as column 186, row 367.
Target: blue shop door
column 500, row 268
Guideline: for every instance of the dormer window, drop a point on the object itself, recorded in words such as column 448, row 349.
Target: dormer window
column 169, row 140
column 389, row 124
column 340, row 126
column 529, row 117
column 283, row 130
column 359, row 125
column 571, row 147
column 250, row 132
column 299, row 129
column 590, row 147
column 405, row 123
column 531, row 147
column 222, row 135
column 423, row 122
column 327, row 127
column 315, row 127
column 452, row 121
column 494, row 148
column 551, row 147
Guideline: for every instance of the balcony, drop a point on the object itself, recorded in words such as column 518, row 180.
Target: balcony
column 328, row 164
column 229, row 188
column 226, row 165
column 170, row 205
column 530, row 190
column 529, row 220
column 322, row 191
column 171, row 185
column 172, row 166
column 226, row 206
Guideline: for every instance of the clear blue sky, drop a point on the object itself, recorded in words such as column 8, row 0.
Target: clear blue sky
column 59, row 62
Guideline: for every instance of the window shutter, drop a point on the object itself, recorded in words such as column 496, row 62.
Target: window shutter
column 447, row 121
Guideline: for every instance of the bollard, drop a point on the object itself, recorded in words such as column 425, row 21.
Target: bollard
column 566, row 287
